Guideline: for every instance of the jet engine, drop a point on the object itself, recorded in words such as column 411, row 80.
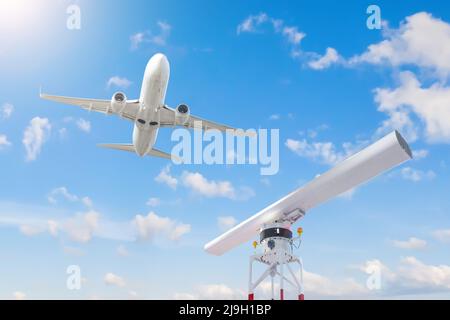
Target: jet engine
column 118, row 102
column 182, row 114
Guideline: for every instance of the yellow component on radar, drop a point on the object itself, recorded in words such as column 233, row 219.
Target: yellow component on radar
column 299, row 231
column 254, row 244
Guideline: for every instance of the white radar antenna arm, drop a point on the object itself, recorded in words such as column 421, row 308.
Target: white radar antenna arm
column 383, row 155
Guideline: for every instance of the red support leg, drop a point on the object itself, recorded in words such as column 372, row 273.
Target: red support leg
column 251, row 297
column 281, row 294
column 301, row 297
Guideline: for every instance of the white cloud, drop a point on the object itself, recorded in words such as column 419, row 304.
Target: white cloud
column 226, row 223
column 166, row 178
column 415, row 175
column 119, row 82
column 4, row 142
column 293, row 35
column 420, row 275
column 6, row 111
column 318, row 285
column 35, row 136
column 220, row 292
column 290, row 33
column 399, row 120
column 314, row 132
column 122, row 251
column 420, row 154
column 331, row 56
column 18, row 295
column 83, row 125
column 410, row 277
column 161, row 38
column 442, row 235
column 152, row 225
column 431, row 105
column 136, row 39
column 185, row 296
column 251, row 22
column 63, row 192
column 158, row 39
column 323, row 152
column 82, row 226
column 87, row 202
column 215, row 189
column 375, row 265
column 62, row 133
column 420, row 40
column 30, row 230
column 212, row 292
column 179, row 231
column 153, row 202
column 113, row 279
column 53, row 227
column 209, row 188
column 58, row 223
column 274, row 117
column 412, row 244
column 200, row 185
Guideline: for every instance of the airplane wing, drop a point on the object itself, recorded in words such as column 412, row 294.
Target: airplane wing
column 168, row 119
column 103, row 106
column 379, row 157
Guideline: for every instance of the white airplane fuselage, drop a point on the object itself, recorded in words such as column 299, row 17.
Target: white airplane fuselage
column 153, row 94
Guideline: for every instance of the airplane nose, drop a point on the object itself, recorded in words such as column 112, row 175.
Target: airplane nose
column 159, row 57
column 159, row 61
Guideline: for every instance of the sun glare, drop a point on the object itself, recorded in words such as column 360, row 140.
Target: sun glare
column 16, row 15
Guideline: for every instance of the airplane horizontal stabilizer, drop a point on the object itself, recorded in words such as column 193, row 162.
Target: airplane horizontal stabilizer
column 118, row 146
column 158, row 153
column 130, row 148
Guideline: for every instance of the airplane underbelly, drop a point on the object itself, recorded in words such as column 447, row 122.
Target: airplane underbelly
column 152, row 98
column 144, row 140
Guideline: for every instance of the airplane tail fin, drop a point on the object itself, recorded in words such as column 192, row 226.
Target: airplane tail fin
column 130, row 148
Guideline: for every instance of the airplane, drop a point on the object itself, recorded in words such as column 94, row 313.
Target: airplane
column 148, row 113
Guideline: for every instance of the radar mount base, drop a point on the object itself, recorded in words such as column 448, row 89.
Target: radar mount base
column 277, row 255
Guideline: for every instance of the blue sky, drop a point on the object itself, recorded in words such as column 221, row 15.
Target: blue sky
column 252, row 65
